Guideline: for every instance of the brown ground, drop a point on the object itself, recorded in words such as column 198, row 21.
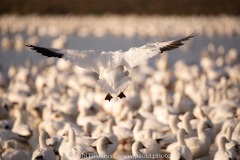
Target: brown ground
column 179, row 7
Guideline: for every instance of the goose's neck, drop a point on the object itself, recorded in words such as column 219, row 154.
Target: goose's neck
column 149, row 134
column 186, row 124
column 221, row 146
column 71, row 138
column 202, row 135
column 211, row 96
column 173, row 126
column 109, row 128
column 138, row 126
column 180, row 138
column 88, row 128
column 19, row 119
column 42, row 141
column 201, row 113
column 177, row 99
column 41, row 93
column 224, row 94
column 102, row 149
column 164, row 98
column 136, row 150
column 203, row 81
column 237, row 128
column 83, row 112
column 229, row 133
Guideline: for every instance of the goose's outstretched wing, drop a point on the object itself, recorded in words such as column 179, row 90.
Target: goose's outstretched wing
column 134, row 56
column 87, row 59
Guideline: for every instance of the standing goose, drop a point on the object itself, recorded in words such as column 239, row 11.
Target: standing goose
column 43, row 152
column 104, row 147
column 12, row 152
column 112, row 67
column 181, row 151
column 71, row 150
column 110, row 135
column 188, row 116
column 171, row 138
column 199, row 146
column 137, row 146
column 19, row 127
column 222, row 153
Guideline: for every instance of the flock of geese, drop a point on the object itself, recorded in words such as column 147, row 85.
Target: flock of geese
column 15, row 28
column 56, row 111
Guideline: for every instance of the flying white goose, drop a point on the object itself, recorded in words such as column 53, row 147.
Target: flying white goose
column 112, row 67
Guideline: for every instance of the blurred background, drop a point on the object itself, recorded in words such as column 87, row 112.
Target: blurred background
column 166, row 7
column 201, row 77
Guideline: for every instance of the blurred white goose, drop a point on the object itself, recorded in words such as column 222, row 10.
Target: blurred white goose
column 12, row 152
column 44, row 151
column 152, row 146
column 182, row 151
column 187, row 117
column 104, row 147
column 52, row 125
column 226, row 131
column 236, row 133
column 19, row 127
column 199, row 146
column 5, row 106
column 123, row 131
column 137, row 148
column 222, row 153
column 70, row 149
column 6, row 134
column 5, row 43
column 170, row 138
column 112, row 67
column 108, row 132
column 173, row 123
column 193, row 132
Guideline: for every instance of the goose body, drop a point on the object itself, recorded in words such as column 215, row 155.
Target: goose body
column 19, row 127
column 70, row 149
column 12, row 152
column 199, row 146
column 43, row 152
column 112, row 67
column 104, row 147
column 222, row 153
column 182, row 150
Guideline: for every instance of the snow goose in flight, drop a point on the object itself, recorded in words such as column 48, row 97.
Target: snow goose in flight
column 112, row 67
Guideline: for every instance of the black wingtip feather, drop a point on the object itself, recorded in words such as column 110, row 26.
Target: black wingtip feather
column 45, row 51
column 177, row 43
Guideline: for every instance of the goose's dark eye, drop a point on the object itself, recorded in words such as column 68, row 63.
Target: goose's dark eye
column 92, row 108
column 5, row 106
column 205, row 102
column 7, row 127
column 57, row 115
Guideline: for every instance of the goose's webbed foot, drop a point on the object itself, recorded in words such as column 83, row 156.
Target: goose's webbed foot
column 121, row 95
column 108, row 97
